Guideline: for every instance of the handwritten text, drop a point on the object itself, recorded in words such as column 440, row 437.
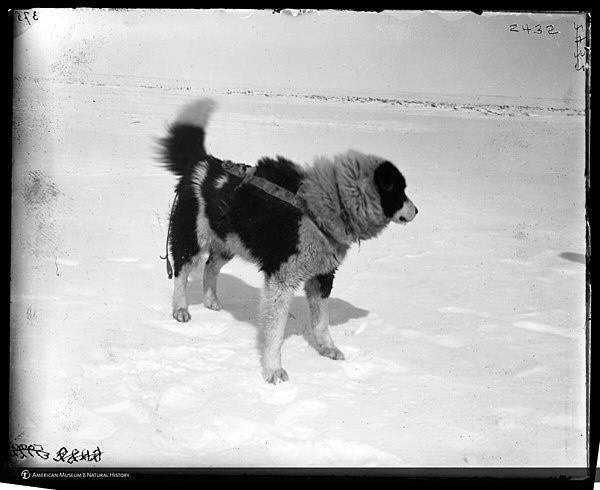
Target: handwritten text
column 63, row 455
column 537, row 29
column 579, row 53
column 26, row 16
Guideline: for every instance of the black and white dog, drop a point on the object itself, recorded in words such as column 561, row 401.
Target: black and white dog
column 336, row 202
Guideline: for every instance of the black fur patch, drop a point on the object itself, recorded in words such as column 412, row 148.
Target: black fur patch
column 267, row 226
column 280, row 171
column 182, row 148
column 325, row 283
column 391, row 185
column 182, row 233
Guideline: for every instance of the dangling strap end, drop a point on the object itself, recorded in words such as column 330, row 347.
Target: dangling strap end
column 169, row 269
column 166, row 257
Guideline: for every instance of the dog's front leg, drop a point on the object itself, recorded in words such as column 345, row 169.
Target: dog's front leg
column 273, row 317
column 317, row 294
column 215, row 262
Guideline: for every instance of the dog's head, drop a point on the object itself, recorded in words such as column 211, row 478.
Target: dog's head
column 391, row 186
column 370, row 191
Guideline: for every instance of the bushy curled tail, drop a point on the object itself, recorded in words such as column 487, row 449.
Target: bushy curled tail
column 184, row 144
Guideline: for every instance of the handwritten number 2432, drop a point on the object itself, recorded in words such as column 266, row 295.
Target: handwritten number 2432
column 537, row 29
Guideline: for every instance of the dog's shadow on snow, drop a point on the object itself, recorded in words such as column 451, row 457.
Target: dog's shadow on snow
column 242, row 301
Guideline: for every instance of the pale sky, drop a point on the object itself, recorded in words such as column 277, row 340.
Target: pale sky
column 398, row 51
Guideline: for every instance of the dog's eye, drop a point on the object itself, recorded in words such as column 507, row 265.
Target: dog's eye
column 387, row 186
column 387, row 177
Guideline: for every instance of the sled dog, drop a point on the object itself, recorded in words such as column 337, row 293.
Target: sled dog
column 295, row 222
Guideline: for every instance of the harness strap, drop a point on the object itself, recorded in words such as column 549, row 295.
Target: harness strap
column 246, row 173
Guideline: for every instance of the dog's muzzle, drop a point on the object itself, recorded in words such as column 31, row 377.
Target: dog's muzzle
column 406, row 213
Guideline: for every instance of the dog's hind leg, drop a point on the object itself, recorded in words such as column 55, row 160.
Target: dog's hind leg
column 185, row 249
column 276, row 300
column 317, row 291
column 180, row 304
column 216, row 260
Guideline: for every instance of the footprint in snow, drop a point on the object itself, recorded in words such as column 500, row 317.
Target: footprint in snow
column 358, row 367
column 299, row 419
column 550, row 329
column 463, row 311
column 510, row 418
column 94, row 427
column 178, row 397
column 126, row 408
column 330, row 452
column 198, row 432
column 195, row 329
column 443, row 340
column 283, row 394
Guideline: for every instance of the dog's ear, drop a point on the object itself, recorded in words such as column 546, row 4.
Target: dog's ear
column 387, row 177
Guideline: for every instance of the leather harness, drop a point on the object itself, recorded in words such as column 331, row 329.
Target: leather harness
column 247, row 174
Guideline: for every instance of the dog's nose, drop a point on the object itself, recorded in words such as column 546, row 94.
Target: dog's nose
column 406, row 213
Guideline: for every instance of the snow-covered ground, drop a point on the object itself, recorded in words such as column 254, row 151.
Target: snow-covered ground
column 463, row 331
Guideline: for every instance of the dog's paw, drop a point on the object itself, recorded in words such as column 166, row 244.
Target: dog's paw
column 212, row 303
column 276, row 376
column 333, row 353
column 182, row 315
